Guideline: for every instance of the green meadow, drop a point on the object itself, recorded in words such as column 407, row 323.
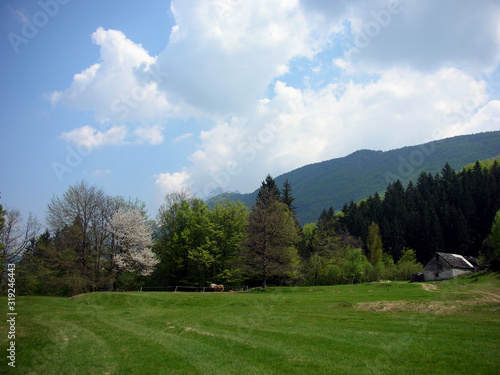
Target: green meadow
column 450, row 327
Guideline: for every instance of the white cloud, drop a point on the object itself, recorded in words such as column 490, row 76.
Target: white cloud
column 424, row 35
column 87, row 136
column 101, row 172
column 241, row 46
column 153, row 134
column 111, row 88
column 183, row 137
column 171, row 182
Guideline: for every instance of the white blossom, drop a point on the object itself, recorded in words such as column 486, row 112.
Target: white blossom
column 134, row 239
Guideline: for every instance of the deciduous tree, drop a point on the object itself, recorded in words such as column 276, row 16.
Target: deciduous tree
column 133, row 237
column 374, row 243
column 15, row 237
column 495, row 242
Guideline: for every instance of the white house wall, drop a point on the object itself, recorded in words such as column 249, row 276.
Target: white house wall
column 443, row 275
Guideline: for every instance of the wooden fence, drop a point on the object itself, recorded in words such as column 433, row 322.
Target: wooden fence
column 183, row 288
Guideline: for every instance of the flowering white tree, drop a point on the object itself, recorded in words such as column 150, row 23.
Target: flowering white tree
column 134, row 239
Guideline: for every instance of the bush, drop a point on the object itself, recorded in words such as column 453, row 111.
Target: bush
column 407, row 265
column 356, row 266
column 331, row 275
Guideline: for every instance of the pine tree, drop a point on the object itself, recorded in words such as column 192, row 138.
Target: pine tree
column 268, row 190
column 287, row 195
column 270, row 250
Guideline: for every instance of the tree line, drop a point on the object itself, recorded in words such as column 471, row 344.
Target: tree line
column 447, row 212
column 98, row 242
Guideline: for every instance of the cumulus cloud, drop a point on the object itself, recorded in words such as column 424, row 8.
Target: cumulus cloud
column 241, row 46
column 152, row 134
column 111, row 88
column 424, row 35
column 171, row 182
column 87, row 136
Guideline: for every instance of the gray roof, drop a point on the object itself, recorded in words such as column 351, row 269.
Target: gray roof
column 456, row 261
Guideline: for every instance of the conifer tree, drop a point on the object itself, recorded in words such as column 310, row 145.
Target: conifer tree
column 268, row 190
column 287, row 195
column 270, row 250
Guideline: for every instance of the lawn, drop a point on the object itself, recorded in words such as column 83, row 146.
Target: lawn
column 450, row 327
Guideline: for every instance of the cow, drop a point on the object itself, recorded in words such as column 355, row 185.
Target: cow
column 217, row 288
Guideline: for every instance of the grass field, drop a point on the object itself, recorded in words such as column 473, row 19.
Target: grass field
column 450, row 327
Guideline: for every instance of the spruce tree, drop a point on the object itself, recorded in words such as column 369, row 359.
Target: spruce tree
column 270, row 250
column 268, row 190
column 287, row 195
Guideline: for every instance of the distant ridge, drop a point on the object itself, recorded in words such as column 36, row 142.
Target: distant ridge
column 356, row 176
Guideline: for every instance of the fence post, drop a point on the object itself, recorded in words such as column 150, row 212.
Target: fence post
column 175, row 289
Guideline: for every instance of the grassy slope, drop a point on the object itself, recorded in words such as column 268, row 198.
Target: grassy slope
column 395, row 328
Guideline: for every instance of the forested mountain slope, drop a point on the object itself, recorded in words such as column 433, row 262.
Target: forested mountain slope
column 360, row 174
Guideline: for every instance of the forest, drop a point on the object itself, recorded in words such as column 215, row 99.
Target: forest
column 96, row 242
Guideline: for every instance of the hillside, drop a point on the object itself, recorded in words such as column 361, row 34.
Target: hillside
column 364, row 172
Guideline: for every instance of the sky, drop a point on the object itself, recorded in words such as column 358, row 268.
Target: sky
column 148, row 98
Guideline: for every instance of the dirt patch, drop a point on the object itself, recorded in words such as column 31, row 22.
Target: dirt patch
column 489, row 297
column 386, row 306
column 431, row 307
column 429, row 287
column 189, row 329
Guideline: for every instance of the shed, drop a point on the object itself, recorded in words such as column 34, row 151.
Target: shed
column 445, row 266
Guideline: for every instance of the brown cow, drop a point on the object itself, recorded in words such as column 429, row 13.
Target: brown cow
column 217, row 288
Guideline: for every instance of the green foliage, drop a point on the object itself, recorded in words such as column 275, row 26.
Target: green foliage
column 389, row 267
column 356, row 266
column 331, row 275
column 308, row 232
column 270, row 250
column 378, row 271
column 313, row 267
column 495, row 242
column 197, row 244
column 374, row 244
column 407, row 265
column 287, row 197
column 449, row 212
column 268, row 189
column 50, row 266
column 128, row 281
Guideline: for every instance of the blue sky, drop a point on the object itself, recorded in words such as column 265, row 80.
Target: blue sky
column 145, row 98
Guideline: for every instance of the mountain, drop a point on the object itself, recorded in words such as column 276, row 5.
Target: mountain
column 356, row 176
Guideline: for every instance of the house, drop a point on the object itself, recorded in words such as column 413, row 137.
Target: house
column 445, row 266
